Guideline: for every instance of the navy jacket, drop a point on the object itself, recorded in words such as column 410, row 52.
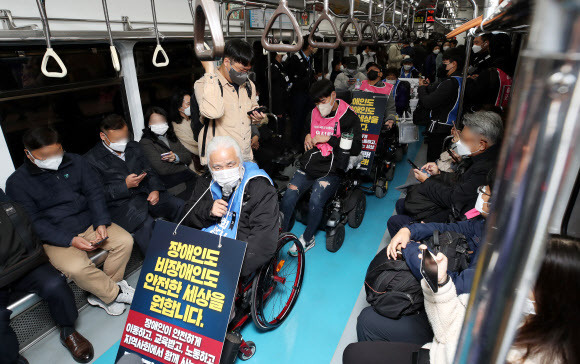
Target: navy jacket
column 473, row 231
column 62, row 203
column 128, row 207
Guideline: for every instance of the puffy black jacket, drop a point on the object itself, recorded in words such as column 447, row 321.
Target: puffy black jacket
column 259, row 223
column 128, row 207
column 61, row 204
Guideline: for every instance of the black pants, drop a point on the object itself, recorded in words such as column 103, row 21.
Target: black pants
column 169, row 207
column 49, row 284
column 301, row 108
column 379, row 353
column 414, row 328
column 435, row 146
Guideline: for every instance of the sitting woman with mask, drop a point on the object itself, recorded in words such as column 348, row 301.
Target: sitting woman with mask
column 324, row 158
column 167, row 155
column 239, row 196
column 548, row 332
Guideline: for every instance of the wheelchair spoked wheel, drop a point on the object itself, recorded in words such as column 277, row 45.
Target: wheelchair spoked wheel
column 381, row 188
column 276, row 288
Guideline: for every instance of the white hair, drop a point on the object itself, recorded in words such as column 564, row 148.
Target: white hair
column 224, row 142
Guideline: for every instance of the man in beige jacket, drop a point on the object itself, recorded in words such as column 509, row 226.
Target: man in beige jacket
column 225, row 96
column 395, row 56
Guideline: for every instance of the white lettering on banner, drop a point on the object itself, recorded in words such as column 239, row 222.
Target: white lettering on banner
column 144, row 345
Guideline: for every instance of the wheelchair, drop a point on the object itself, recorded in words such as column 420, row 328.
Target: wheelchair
column 267, row 297
column 348, row 205
column 389, row 151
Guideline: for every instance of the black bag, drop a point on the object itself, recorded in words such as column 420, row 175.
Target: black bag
column 453, row 245
column 316, row 165
column 391, row 288
column 20, row 249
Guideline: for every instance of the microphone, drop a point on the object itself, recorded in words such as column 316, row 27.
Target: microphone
column 226, row 192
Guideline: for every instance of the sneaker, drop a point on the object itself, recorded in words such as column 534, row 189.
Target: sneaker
column 114, row 308
column 126, row 293
column 307, row 246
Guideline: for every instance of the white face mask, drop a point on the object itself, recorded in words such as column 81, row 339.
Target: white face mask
column 118, row 146
column 284, row 57
column 462, row 149
column 325, row 109
column 392, row 82
column 445, row 48
column 371, row 54
column 407, row 67
column 436, row 51
column 228, row 179
column 341, row 67
column 479, row 203
column 529, row 308
column 51, row 163
column 159, row 129
column 476, row 48
column 187, row 111
column 412, row 44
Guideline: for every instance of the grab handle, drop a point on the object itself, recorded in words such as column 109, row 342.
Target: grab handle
column 325, row 15
column 374, row 33
column 282, row 10
column 49, row 51
column 114, row 55
column 351, row 20
column 206, row 10
column 159, row 48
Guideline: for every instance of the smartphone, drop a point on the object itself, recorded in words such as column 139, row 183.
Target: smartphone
column 261, row 109
column 429, row 269
column 98, row 243
column 165, row 154
column 413, row 164
column 452, row 156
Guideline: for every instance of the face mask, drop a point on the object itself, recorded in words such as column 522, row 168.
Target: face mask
column 319, row 78
column 187, row 111
column 462, row 149
column 51, row 163
column 239, row 78
column 392, row 82
column 412, row 44
column 436, row 51
column 448, row 66
column 351, row 71
column 325, row 109
column 445, row 48
column 372, row 75
column 228, row 179
column 476, row 48
column 479, row 204
column 118, row 146
column 159, row 129
column 284, row 58
column 407, row 67
column 342, row 68
column 529, row 308
column 371, row 54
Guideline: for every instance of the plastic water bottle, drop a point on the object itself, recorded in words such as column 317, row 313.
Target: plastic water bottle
column 358, row 84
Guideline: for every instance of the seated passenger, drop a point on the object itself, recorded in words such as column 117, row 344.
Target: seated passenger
column 134, row 193
column 236, row 187
column 348, row 78
column 549, row 327
column 375, row 84
column 408, row 70
column 401, row 90
column 65, row 201
column 184, row 117
column 41, row 278
column 445, row 194
column 168, row 157
column 319, row 168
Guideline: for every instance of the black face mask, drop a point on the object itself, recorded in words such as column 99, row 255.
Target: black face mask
column 372, row 75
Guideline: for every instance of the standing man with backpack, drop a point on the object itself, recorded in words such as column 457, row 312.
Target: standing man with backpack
column 25, row 268
column 227, row 99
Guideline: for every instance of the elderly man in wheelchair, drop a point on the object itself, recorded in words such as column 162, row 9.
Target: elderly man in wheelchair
column 239, row 201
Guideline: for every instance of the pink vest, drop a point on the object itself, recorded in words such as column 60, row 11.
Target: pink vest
column 320, row 125
column 385, row 90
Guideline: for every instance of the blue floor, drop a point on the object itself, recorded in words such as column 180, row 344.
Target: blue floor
column 331, row 285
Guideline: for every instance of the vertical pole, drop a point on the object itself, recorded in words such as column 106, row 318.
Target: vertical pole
column 468, row 42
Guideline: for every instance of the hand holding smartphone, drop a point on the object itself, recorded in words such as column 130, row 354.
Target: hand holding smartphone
column 429, row 269
column 99, row 243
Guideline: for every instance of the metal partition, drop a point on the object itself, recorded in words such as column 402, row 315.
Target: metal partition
column 543, row 138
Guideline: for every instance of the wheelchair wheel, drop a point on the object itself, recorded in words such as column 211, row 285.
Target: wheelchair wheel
column 277, row 286
column 356, row 215
column 399, row 154
column 381, row 188
column 247, row 352
column 335, row 238
column 390, row 173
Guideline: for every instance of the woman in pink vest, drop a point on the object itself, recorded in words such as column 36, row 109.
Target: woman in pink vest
column 321, row 162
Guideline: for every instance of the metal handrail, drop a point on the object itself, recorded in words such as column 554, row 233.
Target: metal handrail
column 369, row 24
column 325, row 16
column 206, row 10
column 114, row 54
column 282, row 10
column 351, row 20
column 49, row 51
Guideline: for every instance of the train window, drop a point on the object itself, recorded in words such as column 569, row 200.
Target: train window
column 157, row 84
column 73, row 105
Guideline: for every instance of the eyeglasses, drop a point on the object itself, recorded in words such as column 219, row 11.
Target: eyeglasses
column 482, row 190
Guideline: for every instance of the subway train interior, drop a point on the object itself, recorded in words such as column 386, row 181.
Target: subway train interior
column 290, row 181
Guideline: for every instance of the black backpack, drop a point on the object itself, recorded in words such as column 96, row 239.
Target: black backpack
column 391, row 288
column 453, row 245
column 20, row 249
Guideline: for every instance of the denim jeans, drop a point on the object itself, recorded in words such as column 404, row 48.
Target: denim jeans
column 322, row 189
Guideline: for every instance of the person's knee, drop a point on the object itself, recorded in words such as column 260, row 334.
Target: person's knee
column 350, row 354
column 53, row 286
column 364, row 321
column 121, row 238
column 77, row 268
column 319, row 194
